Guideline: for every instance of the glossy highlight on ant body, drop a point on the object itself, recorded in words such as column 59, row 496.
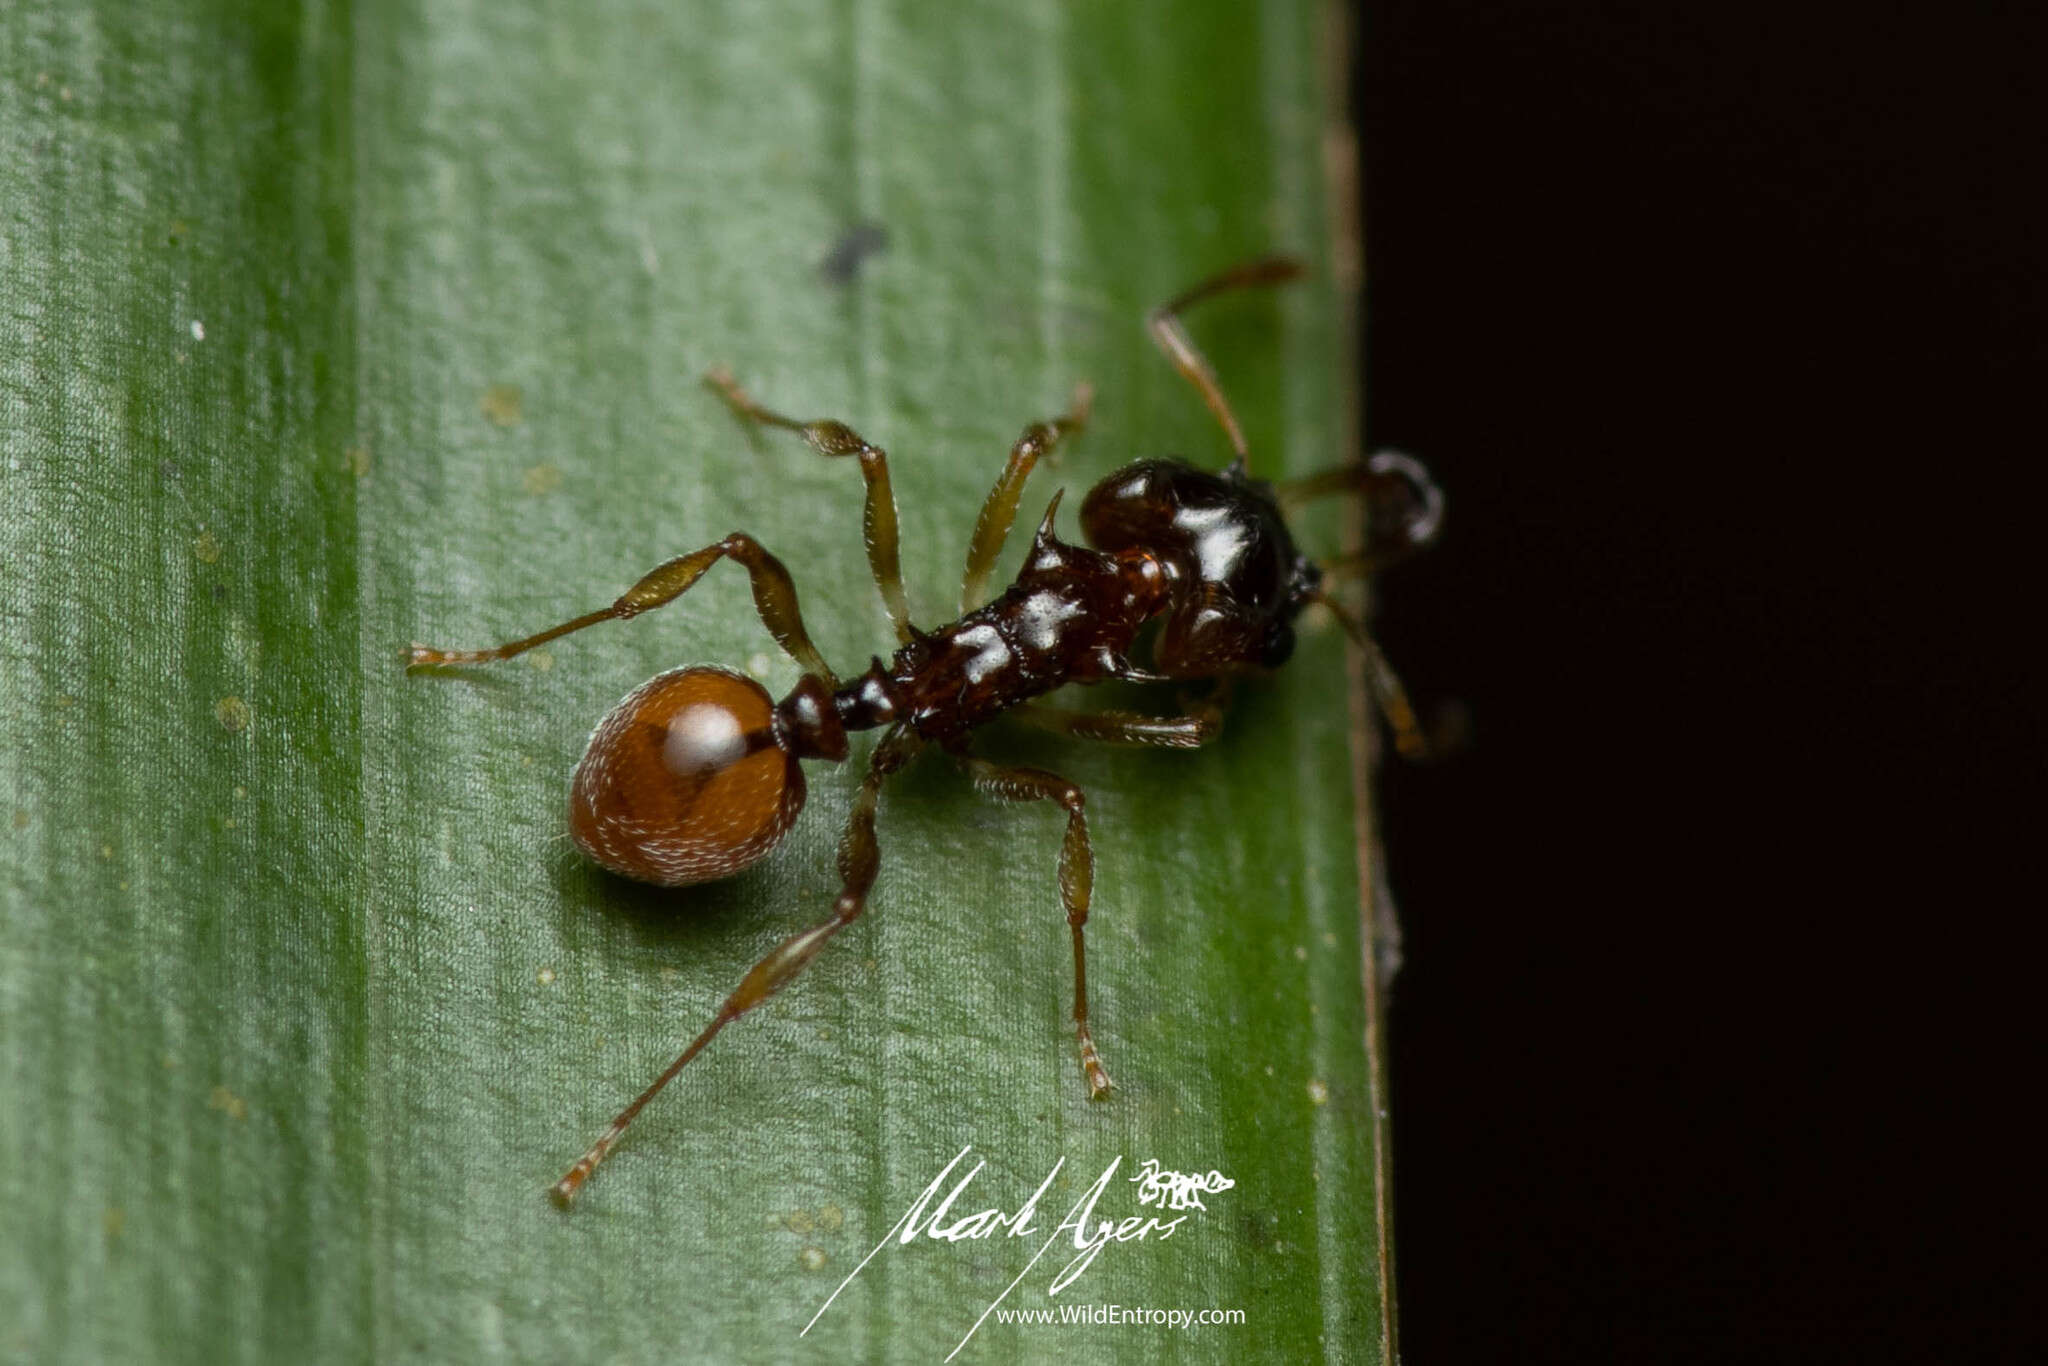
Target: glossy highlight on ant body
column 696, row 774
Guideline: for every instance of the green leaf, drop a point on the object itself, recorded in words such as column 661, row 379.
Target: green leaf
column 333, row 327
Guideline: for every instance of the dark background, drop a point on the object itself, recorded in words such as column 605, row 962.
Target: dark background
column 1724, row 329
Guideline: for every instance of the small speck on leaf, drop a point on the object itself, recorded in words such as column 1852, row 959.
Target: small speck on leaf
column 233, row 715
column 812, row 1259
column 228, row 1103
column 842, row 264
column 540, row 479
column 1318, row 1092
column 831, row 1218
column 206, row 547
column 546, row 977
column 359, row 461
column 504, row 405
column 799, row 1221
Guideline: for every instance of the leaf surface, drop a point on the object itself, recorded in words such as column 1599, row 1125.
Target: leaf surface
column 334, row 327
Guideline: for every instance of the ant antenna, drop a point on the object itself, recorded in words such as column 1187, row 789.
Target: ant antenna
column 1164, row 322
column 1386, row 684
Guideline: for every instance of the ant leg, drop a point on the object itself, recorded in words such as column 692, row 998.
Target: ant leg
column 1386, row 684
column 878, row 514
column 1076, row 878
column 1201, row 721
column 1404, row 508
column 992, row 527
column 859, row 858
column 1164, row 322
column 774, row 599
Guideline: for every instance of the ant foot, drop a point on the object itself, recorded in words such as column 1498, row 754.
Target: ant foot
column 1099, row 1084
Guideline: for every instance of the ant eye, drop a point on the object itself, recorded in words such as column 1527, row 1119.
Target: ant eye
column 685, row 781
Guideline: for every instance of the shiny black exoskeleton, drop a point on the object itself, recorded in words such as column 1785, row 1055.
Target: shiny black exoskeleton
column 1207, row 555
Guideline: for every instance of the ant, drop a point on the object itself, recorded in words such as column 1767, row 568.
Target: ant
column 695, row 775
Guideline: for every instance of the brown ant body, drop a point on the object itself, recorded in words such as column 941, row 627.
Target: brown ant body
column 696, row 774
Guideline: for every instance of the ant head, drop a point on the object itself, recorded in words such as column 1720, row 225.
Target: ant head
column 691, row 778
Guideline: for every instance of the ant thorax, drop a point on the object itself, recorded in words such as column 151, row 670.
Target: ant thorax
column 1070, row 617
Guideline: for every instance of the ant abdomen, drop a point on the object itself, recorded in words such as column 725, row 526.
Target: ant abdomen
column 687, row 780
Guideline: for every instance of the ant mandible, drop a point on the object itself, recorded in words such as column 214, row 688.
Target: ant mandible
column 696, row 776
